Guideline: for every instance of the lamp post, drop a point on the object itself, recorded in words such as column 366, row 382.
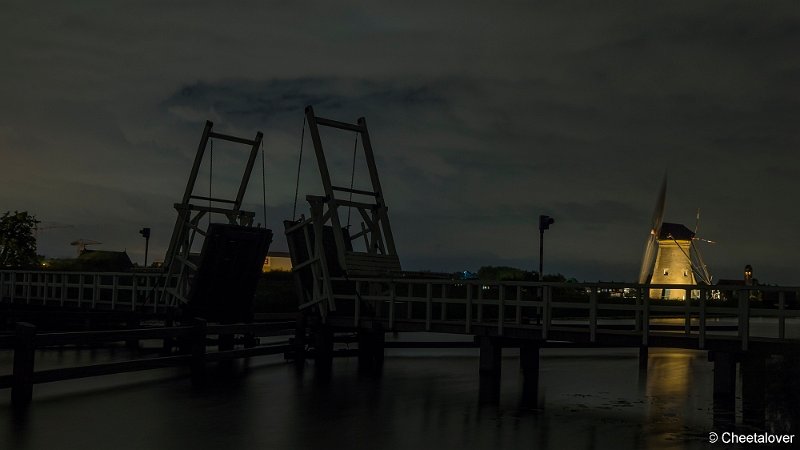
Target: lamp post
column 544, row 224
column 145, row 232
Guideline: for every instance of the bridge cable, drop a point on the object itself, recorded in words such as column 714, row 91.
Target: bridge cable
column 352, row 177
column 210, row 175
column 299, row 163
column 264, row 183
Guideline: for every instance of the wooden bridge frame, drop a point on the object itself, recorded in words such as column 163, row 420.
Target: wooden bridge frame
column 120, row 291
column 525, row 310
column 380, row 255
column 179, row 259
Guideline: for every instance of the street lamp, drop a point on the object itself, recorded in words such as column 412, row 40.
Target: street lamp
column 145, row 232
column 544, row 224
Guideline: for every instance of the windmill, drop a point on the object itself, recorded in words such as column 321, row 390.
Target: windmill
column 81, row 244
column 671, row 255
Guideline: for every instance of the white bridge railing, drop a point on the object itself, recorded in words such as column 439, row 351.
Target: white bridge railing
column 728, row 312
column 121, row 291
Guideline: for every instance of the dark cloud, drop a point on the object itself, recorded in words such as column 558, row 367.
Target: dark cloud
column 481, row 120
column 274, row 102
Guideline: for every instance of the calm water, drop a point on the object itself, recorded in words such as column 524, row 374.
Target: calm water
column 424, row 399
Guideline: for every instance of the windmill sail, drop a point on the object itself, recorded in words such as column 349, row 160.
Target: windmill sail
column 648, row 259
column 702, row 270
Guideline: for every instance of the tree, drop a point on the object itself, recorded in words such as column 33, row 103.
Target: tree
column 505, row 273
column 17, row 241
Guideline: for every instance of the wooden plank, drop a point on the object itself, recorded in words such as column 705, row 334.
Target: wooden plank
column 353, row 191
column 368, row 259
column 262, row 350
column 238, row 140
column 468, row 320
column 782, row 316
column 428, row 306
column 391, row 305
column 337, row 124
column 68, row 373
column 744, row 317
column 701, row 338
column 249, row 328
column 593, row 315
column 91, row 337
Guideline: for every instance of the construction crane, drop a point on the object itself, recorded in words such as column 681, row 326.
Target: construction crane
column 38, row 228
column 81, row 244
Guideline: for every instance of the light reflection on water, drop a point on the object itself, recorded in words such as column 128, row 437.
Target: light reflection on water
column 431, row 399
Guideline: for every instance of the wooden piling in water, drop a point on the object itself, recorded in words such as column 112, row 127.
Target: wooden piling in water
column 198, row 340
column 24, row 354
column 724, row 375
column 299, row 342
column 644, row 354
column 752, row 369
column 529, row 364
column 371, row 343
column 491, row 353
column 323, row 349
column 132, row 323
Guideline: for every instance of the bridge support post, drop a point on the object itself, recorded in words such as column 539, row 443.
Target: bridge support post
column 724, row 374
column 225, row 342
column 198, row 352
column 371, row 348
column 323, row 349
column 22, row 376
column 488, row 389
column 132, row 323
column 300, row 340
column 724, row 388
column 644, row 354
column 752, row 369
column 529, row 363
column 169, row 342
column 529, row 360
column 491, row 355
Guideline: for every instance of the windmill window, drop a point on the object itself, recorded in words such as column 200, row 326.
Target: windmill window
column 685, row 273
column 666, row 272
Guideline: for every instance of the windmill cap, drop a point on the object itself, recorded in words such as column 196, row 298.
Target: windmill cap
column 676, row 231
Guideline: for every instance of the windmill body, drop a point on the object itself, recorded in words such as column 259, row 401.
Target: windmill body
column 673, row 264
column 670, row 255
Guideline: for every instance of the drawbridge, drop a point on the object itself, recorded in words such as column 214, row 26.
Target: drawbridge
column 353, row 283
column 320, row 246
column 209, row 271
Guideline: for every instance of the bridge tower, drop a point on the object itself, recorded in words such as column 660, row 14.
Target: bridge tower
column 222, row 244
column 320, row 246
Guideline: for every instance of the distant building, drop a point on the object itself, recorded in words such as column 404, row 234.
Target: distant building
column 747, row 280
column 277, row 262
column 104, row 261
column 673, row 264
column 92, row 261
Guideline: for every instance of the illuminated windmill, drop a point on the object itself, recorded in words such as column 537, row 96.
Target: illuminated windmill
column 670, row 256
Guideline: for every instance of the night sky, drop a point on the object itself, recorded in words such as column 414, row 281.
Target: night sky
column 482, row 117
